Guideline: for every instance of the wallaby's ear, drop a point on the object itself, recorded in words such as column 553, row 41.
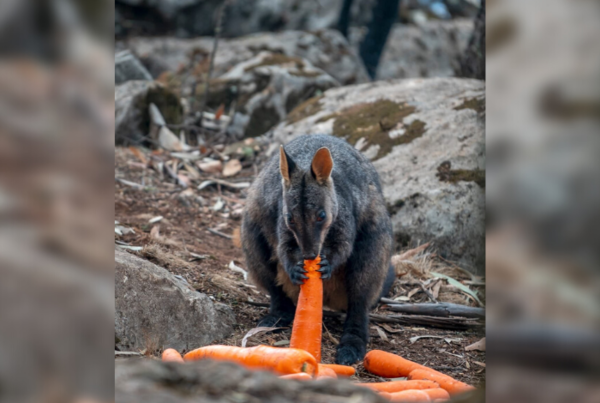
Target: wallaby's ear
column 322, row 165
column 286, row 165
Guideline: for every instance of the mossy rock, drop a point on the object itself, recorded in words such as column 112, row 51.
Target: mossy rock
column 477, row 104
column 307, row 108
column 373, row 122
column 167, row 103
column 277, row 59
column 445, row 174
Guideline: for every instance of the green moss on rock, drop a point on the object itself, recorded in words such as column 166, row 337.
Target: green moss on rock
column 374, row 121
column 477, row 104
column 307, row 108
column 445, row 174
column 277, row 59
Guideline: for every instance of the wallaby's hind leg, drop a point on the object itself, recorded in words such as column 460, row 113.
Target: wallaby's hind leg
column 367, row 270
column 264, row 272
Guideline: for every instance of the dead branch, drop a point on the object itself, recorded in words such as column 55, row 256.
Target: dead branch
column 441, row 310
column 219, row 233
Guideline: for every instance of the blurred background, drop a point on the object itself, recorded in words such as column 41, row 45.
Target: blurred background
column 58, row 128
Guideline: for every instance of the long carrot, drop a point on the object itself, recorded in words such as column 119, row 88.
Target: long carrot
column 398, row 386
column 171, row 354
column 389, row 365
column 437, row 394
column 281, row 360
column 340, row 370
column 302, row 376
column 307, row 328
column 451, row 385
column 325, row 372
column 410, row 396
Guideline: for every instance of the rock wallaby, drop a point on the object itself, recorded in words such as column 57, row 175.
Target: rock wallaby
column 320, row 197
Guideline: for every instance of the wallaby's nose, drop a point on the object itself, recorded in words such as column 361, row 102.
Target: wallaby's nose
column 309, row 256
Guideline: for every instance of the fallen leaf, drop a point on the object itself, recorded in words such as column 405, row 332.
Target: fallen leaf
column 390, row 330
column 133, row 248
column 237, row 237
column 451, row 340
column 219, row 112
column 414, row 339
column 184, row 180
column 478, row 345
column 238, row 269
column 194, row 174
column 168, row 140
column 257, row 330
column 436, row 289
column 402, row 298
column 460, row 286
column 218, row 205
column 155, row 232
column 481, row 364
column 139, row 155
column 196, row 256
column 155, row 219
column 232, row 168
column 281, row 343
column 239, row 185
column 467, row 365
column 380, row 332
column 413, row 292
column 409, row 254
column 211, row 167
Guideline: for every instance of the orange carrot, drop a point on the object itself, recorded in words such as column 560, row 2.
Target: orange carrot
column 451, row 385
column 387, row 395
column 325, row 372
column 171, row 354
column 398, row 386
column 281, row 360
column 389, row 365
column 411, row 395
column 437, row 394
column 306, row 332
column 340, row 370
column 302, row 376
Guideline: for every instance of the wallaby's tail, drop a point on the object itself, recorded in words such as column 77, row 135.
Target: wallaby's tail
column 389, row 281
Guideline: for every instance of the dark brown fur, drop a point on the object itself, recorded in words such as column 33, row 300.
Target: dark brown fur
column 299, row 208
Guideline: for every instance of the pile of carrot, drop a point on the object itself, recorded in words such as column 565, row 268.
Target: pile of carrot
column 302, row 360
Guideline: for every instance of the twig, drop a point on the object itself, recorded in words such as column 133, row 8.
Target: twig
column 218, row 28
column 443, row 309
column 426, row 291
column 214, row 231
column 129, row 183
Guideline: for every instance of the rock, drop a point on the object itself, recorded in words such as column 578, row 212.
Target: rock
column 266, row 88
column 153, row 381
column 132, row 116
column 472, row 61
column 128, row 67
column 192, row 18
column 426, row 138
column 433, row 49
column 327, row 50
column 154, row 309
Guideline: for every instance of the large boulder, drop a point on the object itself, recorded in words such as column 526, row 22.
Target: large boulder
column 264, row 89
column 426, row 140
column 189, row 18
column 327, row 50
column 153, row 381
column 128, row 68
column 432, row 49
column 154, row 309
column 132, row 116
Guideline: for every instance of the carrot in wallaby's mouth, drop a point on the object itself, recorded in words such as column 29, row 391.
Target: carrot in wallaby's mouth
column 306, row 332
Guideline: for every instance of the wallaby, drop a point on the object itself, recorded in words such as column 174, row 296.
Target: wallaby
column 320, row 197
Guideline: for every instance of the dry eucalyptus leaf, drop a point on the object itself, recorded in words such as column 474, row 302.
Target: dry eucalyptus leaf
column 211, row 167
column 380, row 332
column 258, row 330
column 232, row 168
column 478, row 345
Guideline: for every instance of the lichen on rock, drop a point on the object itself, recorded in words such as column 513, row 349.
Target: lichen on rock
column 374, row 121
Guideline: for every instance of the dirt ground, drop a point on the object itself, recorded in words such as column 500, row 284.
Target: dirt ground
column 181, row 243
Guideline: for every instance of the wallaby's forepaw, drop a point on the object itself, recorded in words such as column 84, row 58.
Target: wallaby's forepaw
column 350, row 351
column 297, row 273
column 275, row 320
column 325, row 269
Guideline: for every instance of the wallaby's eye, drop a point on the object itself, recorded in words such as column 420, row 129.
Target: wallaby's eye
column 290, row 219
column 321, row 216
